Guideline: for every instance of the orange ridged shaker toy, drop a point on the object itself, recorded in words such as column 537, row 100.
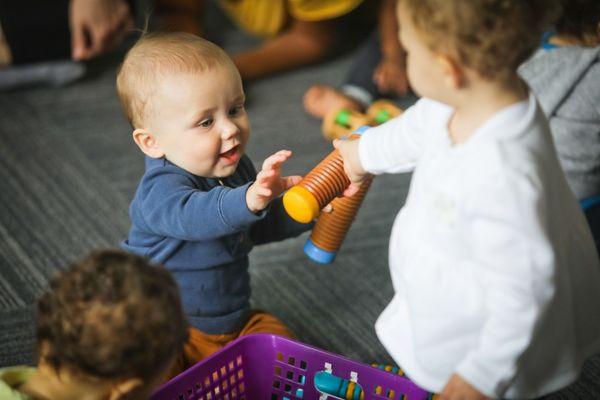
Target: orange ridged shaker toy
column 330, row 230
column 304, row 201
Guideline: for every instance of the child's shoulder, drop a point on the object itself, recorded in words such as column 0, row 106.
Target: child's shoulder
column 160, row 170
column 426, row 116
column 162, row 177
column 515, row 145
column 157, row 165
column 561, row 73
column 431, row 107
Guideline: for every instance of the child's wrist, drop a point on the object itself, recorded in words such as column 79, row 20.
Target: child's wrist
column 354, row 161
column 251, row 202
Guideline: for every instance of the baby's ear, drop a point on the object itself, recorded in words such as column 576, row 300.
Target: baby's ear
column 147, row 143
column 452, row 71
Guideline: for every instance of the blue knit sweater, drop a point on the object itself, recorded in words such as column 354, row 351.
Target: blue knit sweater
column 202, row 231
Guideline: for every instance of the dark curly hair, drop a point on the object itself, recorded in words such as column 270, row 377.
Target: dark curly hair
column 492, row 37
column 111, row 315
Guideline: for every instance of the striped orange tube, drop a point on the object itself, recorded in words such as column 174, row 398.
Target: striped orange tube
column 319, row 187
column 331, row 228
column 329, row 232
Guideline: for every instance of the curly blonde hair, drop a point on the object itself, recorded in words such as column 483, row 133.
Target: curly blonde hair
column 492, row 37
column 156, row 55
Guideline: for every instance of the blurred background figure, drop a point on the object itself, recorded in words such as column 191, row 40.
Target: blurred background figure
column 43, row 41
column 564, row 74
column 378, row 70
column 295, row 32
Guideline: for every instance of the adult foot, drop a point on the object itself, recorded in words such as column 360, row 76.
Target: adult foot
column 319, row 99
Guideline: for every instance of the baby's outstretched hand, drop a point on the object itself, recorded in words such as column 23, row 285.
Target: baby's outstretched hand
column 269, row 183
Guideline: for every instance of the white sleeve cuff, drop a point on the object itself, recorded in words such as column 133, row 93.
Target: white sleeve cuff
column 366, row 154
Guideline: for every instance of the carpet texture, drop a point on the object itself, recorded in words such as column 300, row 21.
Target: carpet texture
column 68, row 170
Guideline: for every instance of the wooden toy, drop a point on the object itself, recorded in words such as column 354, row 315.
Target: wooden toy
column 341, row 122
column 304, row 201
column 331, row 228
column 382, row 111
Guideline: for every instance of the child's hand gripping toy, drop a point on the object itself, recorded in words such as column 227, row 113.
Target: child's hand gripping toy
column 304, row 201
column 322, row 185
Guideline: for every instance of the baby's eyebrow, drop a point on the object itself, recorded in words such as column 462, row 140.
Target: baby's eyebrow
column 201, row 113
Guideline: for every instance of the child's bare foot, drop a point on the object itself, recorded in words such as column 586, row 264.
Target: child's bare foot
column 319, row 99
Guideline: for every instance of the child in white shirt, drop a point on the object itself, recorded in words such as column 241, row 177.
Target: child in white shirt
column 496, row 278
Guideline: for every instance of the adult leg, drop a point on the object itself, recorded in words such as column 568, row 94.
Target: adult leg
column 5, row 54
column 358, row 90
column 36, row 44
column 593, row 217
column 36, row 30
column 359, row 83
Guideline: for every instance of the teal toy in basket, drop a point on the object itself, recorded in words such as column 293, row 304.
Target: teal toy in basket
column 271, row 367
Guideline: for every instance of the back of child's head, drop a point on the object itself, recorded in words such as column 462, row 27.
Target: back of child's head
column 490, row 37
column 580, row 20
column 111, row 316
column 156, row 56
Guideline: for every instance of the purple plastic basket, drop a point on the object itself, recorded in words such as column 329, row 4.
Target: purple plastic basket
column 270, row 367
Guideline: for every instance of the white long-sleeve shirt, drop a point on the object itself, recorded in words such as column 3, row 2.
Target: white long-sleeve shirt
column 494, row 270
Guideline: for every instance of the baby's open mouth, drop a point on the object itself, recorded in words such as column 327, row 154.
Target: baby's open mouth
column 231, row 155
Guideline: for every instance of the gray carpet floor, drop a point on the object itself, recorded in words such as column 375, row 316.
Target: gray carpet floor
column 68, row 170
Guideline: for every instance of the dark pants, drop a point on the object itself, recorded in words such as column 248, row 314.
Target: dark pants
column 593, row 218
column 365, row 61
column 37, row 30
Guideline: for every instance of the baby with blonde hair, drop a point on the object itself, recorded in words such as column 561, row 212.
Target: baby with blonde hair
column 200, row 206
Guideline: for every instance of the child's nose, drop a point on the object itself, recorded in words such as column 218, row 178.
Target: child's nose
column 230, row 129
